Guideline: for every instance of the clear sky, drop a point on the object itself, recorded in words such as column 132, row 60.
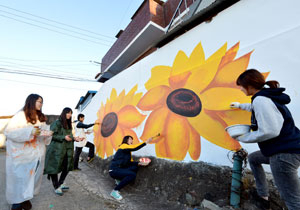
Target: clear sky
column 55, row 38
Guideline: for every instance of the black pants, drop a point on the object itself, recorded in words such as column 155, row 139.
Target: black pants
column 54, row 177
column 78, row 151
column 125, row 175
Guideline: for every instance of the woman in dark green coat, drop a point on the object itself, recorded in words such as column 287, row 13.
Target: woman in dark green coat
column 59, row 155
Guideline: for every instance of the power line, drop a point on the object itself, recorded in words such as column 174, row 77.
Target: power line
column 56, row 22
column 55, row 31
column 36, row 67
column 55, row 26
column 42, row 60
column 32, row 83
column 122, row 19
column 50, row 76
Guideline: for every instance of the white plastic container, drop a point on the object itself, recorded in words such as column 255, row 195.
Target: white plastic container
column 237, row 130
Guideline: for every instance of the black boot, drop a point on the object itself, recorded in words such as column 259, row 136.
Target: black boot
column 26, row 205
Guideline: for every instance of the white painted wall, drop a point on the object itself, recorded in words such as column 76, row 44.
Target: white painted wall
column 270, row 28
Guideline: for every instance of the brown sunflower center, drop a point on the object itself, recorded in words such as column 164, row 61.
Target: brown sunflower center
column 109, row 124
column 184, row 102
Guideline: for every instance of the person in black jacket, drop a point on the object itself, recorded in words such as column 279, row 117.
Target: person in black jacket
column 122, row 167
column 274, row 130
column 79, row 128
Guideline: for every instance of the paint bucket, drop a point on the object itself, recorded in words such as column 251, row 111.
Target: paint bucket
column 238, row 130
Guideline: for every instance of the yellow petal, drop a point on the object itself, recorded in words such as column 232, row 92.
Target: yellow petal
column 160, row 149
column 155, row 124
column 129, row 117
column 129, row 97
column 218, row 54
column 266, row 74
column 177, row 137
column 117, row 138
column 129, row 132
column 178, row 81
column 235, row 116
column 107, row 107
column 203, row 75
column 108, row 147
column 230, row 72
column 230, row 55
column 220, row 98
column 159, row 76
column 180, row 64
column 113, row 95
column 117, row 103
column 100, row 113
column 96, row 128
column 136, row 98
column 195, row 146
column 212, row 128
column 100, row 146
column 197, row 57
column 154, row 98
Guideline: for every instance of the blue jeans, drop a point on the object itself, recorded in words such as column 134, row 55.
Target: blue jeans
column 125, row 175
column 284, row 167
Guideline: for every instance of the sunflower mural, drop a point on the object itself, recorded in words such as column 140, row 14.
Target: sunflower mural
column 191, row 99
column 117, row 118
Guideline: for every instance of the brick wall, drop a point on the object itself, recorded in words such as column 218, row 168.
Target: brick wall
column 148, row 11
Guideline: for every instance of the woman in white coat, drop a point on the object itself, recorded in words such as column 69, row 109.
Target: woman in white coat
column 25, row 147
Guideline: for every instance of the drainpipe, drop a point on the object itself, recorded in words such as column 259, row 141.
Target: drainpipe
column 236, row 182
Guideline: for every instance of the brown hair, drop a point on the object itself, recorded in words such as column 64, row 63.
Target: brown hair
column 126, row 139
column 255, row 79
column 30, row 109
column 66, row 123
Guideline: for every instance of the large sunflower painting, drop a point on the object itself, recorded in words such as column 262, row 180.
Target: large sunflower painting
column 117, row 118
column 191, row 99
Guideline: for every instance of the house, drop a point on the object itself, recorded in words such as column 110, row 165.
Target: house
column 154, row 24
column 85, row 100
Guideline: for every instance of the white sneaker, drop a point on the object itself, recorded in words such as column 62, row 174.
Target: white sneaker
column 58, row 191
column 116, row 195
column 64, row 187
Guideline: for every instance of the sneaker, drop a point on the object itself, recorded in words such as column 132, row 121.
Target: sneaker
column 76, row 169
column 116, row 195
column 117, row 181
column 64, row 187
column 58, row 191
column 91, row 159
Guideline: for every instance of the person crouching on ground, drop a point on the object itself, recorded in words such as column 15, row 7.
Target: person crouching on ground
column 278, row 138
column 25, row 153
column 59, row 155
column 79, row 128
column 122, row 167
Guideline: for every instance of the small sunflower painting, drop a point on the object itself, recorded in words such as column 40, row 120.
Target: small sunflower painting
column 191, row 99
column 117, row 118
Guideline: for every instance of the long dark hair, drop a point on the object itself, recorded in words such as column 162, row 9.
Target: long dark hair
column 126, row 139
column 255, row 79
column 66, row 123
column 30, row 109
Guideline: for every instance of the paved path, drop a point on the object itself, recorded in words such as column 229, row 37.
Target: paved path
column 89, row 190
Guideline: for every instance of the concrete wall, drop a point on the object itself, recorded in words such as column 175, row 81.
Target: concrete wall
column 206, row 60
